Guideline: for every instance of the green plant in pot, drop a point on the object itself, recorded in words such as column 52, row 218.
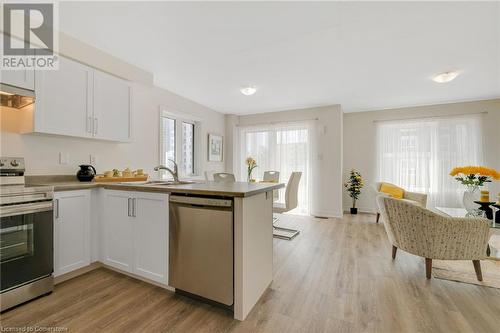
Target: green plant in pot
column 353, row 186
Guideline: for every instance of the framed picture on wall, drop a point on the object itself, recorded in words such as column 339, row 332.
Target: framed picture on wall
column 215, row 147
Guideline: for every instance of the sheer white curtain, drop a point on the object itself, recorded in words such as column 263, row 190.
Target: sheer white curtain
column 284, row 147
column 418, row 155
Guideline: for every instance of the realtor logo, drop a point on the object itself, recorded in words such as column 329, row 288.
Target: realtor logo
column 29, row 38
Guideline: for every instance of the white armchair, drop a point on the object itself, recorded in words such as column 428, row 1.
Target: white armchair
column 424, row 233
column 419, row 199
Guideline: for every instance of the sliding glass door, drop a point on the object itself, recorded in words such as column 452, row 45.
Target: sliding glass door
column 281, row 147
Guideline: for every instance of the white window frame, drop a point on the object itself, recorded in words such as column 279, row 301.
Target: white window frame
column 179, row 119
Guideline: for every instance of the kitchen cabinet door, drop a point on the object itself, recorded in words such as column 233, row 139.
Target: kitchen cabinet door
column 112, row 108
column 71, row 231
column 150, row 225
column 64, row 100
column 117, row 243
column 19, row 78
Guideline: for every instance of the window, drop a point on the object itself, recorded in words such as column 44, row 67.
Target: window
column 188, row 148
column 419, row 154
column 281, row 147
column 177, row 142
column 167, row 140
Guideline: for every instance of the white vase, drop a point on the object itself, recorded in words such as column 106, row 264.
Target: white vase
column 471, row 194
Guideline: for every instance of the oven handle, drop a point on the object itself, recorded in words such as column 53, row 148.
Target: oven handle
column 30, row 208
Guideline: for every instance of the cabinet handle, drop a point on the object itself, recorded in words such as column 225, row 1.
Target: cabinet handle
column 56, row 207
column 89, row 124
column 133, row 207
column 95, row 125
column 128, row 207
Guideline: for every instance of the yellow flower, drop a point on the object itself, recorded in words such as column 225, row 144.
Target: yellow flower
column 476, row 170
column 250, row 161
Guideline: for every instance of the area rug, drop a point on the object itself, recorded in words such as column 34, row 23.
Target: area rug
column 463, row 271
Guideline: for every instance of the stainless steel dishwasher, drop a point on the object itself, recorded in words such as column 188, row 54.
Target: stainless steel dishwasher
column 201, row 247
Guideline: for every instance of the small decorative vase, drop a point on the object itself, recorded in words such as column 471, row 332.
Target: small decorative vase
column 354, row 211
column 471, row 194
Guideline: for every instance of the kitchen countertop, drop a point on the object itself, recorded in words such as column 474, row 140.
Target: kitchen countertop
column 237, row 189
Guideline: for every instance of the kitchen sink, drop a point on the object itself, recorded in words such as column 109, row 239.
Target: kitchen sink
column 159, row 182
column 171, row 182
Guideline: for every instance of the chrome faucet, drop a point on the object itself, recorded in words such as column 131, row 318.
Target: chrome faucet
column 174, row 173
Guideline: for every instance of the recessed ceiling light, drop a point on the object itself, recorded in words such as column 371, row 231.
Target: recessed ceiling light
column 445, row 77
column 249, row 90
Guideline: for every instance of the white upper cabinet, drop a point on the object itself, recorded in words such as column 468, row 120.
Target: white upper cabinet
column 112, row 109
column 78, row 100
column 19, row 78
column 64, row 100
column 71, row 231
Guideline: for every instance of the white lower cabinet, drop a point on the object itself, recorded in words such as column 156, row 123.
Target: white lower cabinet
column 71, row 230
column 135, row 226
column 117, row 227
column 150, row 229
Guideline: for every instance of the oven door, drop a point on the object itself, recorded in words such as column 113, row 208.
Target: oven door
column 26, row 243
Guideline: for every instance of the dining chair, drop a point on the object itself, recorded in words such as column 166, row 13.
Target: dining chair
column 271, row 176
column 291, row 202
column 209, row 176
column 224, row 177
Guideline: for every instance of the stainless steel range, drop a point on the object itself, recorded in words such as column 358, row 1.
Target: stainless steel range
column 26, row 236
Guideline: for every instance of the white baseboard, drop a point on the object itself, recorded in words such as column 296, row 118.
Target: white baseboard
column 326, row 214
column 362, row 209
column 348, row 212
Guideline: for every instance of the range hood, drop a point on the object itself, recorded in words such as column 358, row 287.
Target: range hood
column 15, row 97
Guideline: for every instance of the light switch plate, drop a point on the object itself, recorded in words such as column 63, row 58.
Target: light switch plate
column 63, row 158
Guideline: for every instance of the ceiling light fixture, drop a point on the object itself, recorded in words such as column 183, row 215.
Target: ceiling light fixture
column 445, row 77
column 249, row 90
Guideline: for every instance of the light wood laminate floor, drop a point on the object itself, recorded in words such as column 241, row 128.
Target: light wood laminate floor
column 336, row 276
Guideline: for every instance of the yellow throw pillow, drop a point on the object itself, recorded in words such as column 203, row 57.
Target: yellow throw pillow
column 392, row 190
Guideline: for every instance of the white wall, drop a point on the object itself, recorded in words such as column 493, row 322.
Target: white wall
column 327, row 183
column 360, row 139
column 93, row 57
column 42, row 151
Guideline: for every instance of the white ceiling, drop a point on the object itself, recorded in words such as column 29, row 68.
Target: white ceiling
column 365, row 56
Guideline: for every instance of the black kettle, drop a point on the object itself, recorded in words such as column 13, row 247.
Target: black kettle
column 86, row 173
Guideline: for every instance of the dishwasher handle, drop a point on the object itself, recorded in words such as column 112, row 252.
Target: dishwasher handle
column 200, row 201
